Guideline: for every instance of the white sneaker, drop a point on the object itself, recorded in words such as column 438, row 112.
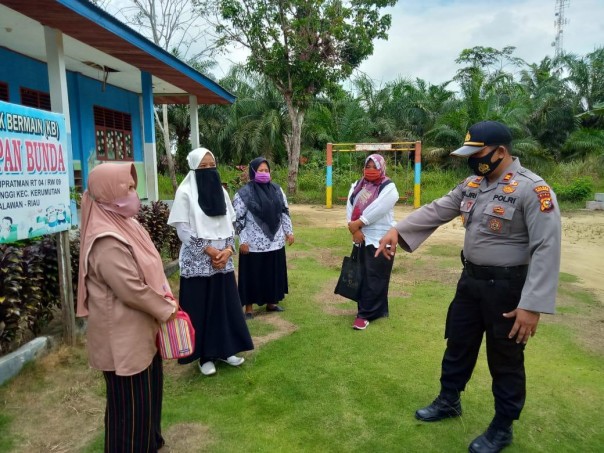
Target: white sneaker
column 234, row 360
column 208, row 368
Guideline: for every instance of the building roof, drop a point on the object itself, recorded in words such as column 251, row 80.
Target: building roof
column 98, row 45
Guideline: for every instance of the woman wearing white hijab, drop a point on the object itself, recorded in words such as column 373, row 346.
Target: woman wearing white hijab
column 203, row 216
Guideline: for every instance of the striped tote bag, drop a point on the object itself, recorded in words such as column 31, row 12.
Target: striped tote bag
column 176, row 337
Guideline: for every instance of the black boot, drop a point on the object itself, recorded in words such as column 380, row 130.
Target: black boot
column 493, row 440
column 440, row 409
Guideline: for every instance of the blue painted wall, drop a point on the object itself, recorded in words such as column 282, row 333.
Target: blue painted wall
column 84, row 93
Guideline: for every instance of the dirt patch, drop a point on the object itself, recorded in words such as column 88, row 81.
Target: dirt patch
column 281, row 326
column 187, row 437
column 73, row 406
column 334, row 304
column 588, row 328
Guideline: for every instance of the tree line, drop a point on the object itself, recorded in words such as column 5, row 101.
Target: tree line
column 291, row 101
column 555, row 109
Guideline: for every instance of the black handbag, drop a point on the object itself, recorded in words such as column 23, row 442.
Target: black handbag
column 351, row 276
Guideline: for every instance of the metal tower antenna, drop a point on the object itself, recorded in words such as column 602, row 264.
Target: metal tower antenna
column 559, row 22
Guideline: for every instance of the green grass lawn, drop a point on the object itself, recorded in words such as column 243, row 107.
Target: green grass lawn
column 327, row 388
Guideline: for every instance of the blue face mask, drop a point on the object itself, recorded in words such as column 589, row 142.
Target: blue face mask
column 482, row 166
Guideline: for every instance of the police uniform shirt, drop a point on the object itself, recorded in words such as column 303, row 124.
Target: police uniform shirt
column 511, row 222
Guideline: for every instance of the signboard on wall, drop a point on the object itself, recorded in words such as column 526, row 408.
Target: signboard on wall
column 34, row 176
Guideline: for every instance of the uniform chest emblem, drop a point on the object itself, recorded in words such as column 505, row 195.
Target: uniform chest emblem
column 507, row 177
column 509, row 189
column 495, row 225
column 499, row 210
column 514, row 183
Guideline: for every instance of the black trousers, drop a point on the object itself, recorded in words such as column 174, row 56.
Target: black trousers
column 133, row 412
column 477, row 309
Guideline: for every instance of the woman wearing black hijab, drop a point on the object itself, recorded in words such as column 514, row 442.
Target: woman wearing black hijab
column 203, row 217
column 264, row 226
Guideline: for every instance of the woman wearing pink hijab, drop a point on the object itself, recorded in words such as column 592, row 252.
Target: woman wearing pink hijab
column 370, row 214
column 123, row 291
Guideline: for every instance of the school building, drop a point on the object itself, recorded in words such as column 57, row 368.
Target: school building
column 71, row 57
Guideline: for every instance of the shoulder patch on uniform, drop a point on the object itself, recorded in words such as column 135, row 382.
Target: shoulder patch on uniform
column 542, row 188
column 547, row 205
column 545, row 198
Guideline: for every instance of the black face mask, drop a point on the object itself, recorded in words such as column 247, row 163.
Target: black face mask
column 482, row 166
column 209, row 192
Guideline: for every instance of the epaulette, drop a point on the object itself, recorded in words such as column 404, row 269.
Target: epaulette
column 474, row 181
column 529, row 175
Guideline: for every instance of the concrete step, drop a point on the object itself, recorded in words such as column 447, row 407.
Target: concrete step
column 11, row 364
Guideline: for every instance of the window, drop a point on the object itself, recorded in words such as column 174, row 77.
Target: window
column 34, row 98
column 3, row 92
column 113, row 134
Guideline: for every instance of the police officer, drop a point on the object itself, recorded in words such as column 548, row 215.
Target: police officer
column 511, row 261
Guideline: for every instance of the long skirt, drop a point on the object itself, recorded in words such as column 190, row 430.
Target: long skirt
column 133, row 411
column 263, row 277
column 213, row 305
column 373, row 302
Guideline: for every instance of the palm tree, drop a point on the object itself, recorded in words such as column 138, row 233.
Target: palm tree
column 336, row 119
column 254, row 125
column 551, row 104
column 586, row 80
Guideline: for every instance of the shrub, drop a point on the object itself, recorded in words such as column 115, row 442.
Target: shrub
column 580, row 189
column 154, row 218
column 29, row 290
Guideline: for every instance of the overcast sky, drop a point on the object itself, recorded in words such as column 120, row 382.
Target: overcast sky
column 427, row 35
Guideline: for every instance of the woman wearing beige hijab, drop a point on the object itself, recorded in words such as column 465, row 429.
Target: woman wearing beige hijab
column 123, row 291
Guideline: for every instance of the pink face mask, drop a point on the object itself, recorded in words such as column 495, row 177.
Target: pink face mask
column 127, row 206
column 262, row 178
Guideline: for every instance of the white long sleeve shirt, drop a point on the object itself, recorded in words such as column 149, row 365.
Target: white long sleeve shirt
column 378, row 217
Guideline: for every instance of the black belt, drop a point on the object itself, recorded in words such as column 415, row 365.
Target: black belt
column 494, row 272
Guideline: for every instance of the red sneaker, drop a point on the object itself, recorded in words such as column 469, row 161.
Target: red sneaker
column 360, row 324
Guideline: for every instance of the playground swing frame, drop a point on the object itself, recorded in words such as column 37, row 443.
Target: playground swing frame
column 416, row 147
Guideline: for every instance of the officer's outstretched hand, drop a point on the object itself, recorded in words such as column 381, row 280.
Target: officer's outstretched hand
column 525, row 325
column 388, row 244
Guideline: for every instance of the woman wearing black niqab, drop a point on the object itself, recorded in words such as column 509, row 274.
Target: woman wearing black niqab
column 203, row 217
column 264, row 226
